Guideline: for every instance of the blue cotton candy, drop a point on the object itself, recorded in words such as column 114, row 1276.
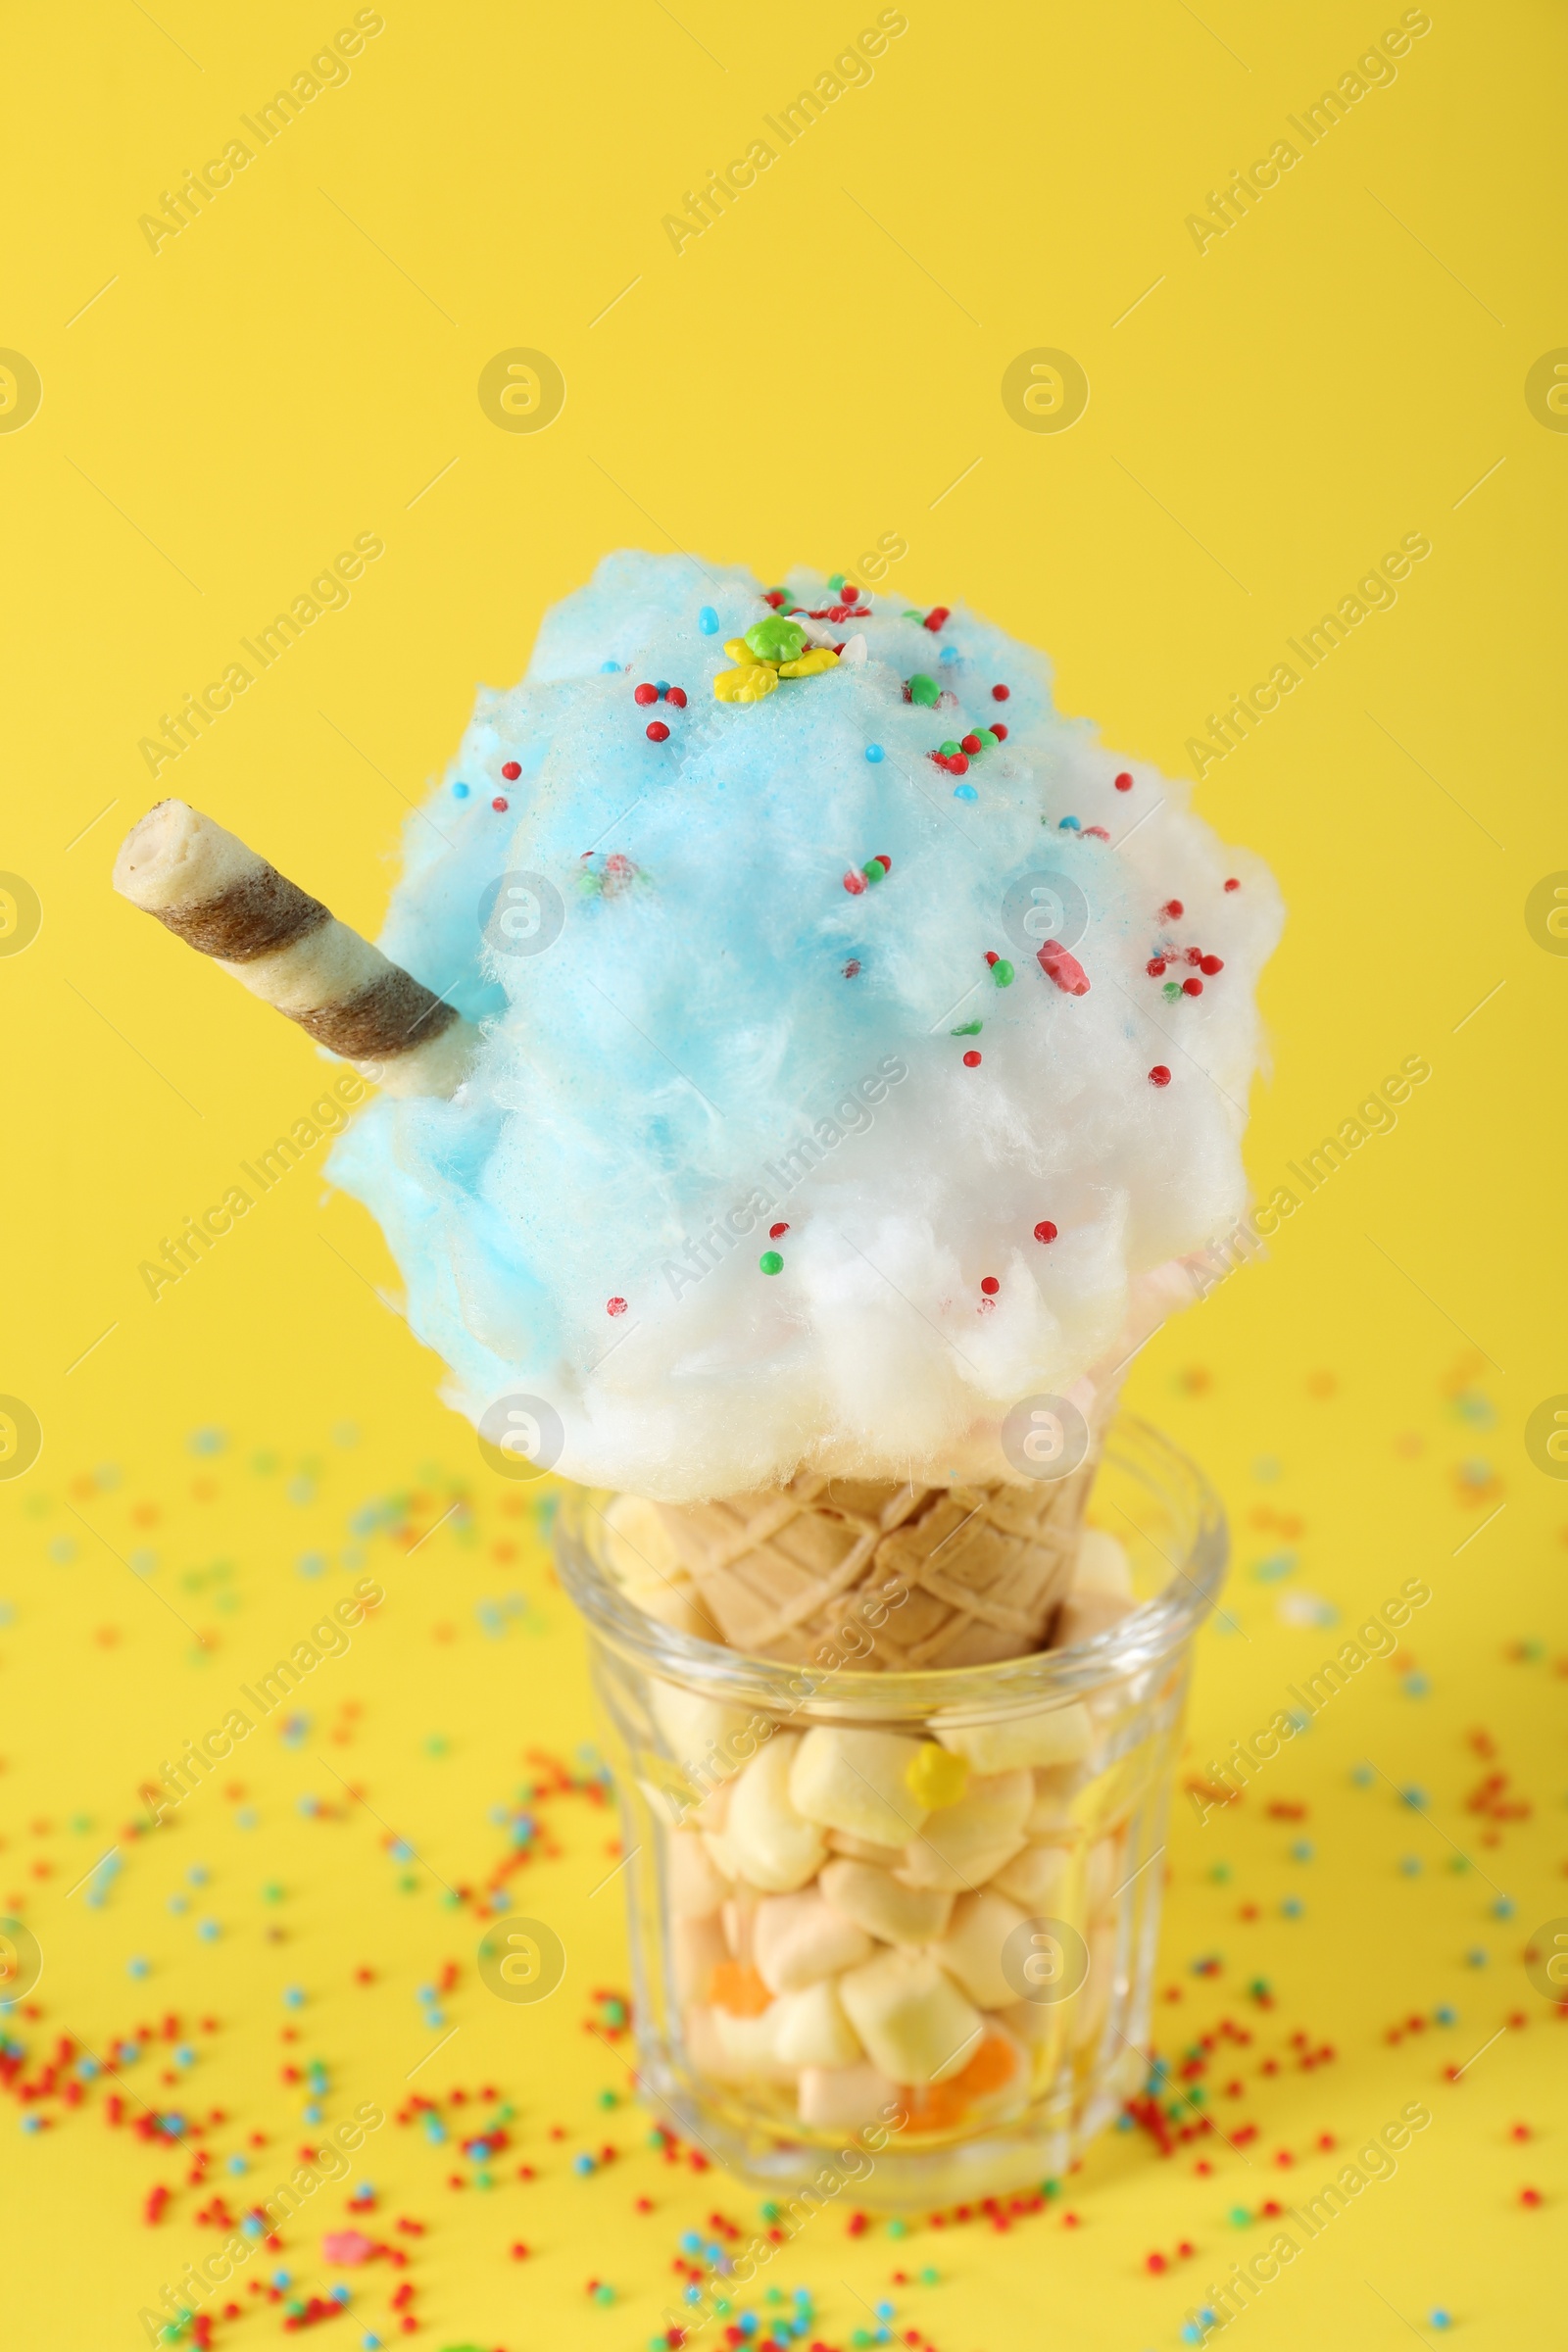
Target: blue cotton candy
column 687, row 1063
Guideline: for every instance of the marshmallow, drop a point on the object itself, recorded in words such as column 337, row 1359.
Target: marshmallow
column 858, row 1782
column 846, row 2094
column 914, row 2022
column 696, row 1889
column 971, row 1949
column 1085, row 1616
column 738, row 1918
column 797, row 1940
column 1038, row 1879
column 747, row 2046
column 885, row 1908
column 863, row 1849
column 1102, row 1565
column 966, row 1843
column 764, row 1841
column 812, row 2029
column 697, row 1947
column 1053, row 1736
column 1052, row 1812
column 700, row 1731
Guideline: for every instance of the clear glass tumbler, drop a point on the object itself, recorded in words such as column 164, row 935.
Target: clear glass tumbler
column 964, row 2010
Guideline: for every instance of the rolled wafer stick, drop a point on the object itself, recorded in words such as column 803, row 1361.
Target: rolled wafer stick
column 227, row 902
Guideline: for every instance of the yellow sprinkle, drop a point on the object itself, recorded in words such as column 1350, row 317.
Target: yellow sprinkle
column 937, row 1778
column 821, row 657
column 737, row 650
column 748, row 685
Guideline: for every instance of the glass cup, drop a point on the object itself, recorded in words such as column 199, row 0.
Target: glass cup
column 965, row 2009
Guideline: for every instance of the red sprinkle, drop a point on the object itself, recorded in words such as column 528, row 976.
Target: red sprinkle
column 971, row 1061
column 884, row 861
column 935, row 617
column 1124, row 782
column 1192, row 987
column 1233, row 884
column 645, row 694
column 1045, row 1231
column 1001, row 694
column 1530, row 2196
column 999, row 732
column 851, row 969
column 657, row 732
column 969, row 744
column 992, row 956
column 1098, row 832
column 990, row 1285
column 511, row 770
column 853, row 883
column 1159, row 1075
column 502, row 805
column 677, row 696
column 774, row 1231
column 1174, row 909
column 1063, row 968
column 1211, row 964
column 616, row 1306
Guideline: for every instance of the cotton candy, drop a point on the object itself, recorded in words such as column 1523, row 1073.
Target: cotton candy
column 695, row 1032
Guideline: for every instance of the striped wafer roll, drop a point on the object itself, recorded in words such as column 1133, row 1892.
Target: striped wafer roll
column 223, row 900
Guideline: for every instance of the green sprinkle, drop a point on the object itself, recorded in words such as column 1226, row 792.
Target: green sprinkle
column 1239, row 2216
column 967, row 1029
column 1002, row 973
column 836, row 583
column 988, row 741
column 1171, row 991
column 924, row 690
column 897, row 2227
column 608, row 2098
column 950, row 749
column 777, row 639
column 768, row 2212
column 603, row 2294
column 874, row 871
column 771, row 1262
column 929, row 2276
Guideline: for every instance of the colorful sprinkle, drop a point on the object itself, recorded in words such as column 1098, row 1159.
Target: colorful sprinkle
column 771, row 1262
column 500, row 805
column 708, row 621
column 1045, row 1231
column 1159, row 1075
column 657, row 732
column 990, row 1285
column 511, row 770
column 1001, row 694
column 1123, row 782
column 645, row 694
column 614, row 1307
column 875, row 753
column 971, row 1061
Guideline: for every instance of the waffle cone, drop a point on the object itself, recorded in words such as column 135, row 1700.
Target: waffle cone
column 982, row 1569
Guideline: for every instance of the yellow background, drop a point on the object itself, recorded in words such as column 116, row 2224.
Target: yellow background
column 297, row 366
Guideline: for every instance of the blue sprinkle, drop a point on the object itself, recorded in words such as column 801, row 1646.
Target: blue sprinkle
column 1503, row 1907
column 582, row 2165
column 1410, row 1864
column 1068, row 824
column 340, row 2293
column 884, row 2311
column 1476, row 1957
column 280, row 2277
column 1439, row 2319
column 690, row 2242
column 1416, row 1685
column 1361, row 1775
column 179, row 1903
column 32, row 2123
column 950, row 652
column 459, row 792
column 239, row 2164
column 708, row 621
column 137, row 1967
column 293, row 1996
column 198, row 1874
column 964, row 792
column 1447, row 2016
column 660, row 686
column 252, row 2226
column 208, row 1929
column 1415, row 1798
column 184, row 2055
column 1292, row 1907
column 1303, row 1850
column 608, row 669
column 875, row 753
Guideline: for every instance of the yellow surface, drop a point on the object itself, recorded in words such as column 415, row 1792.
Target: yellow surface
column 818, row 372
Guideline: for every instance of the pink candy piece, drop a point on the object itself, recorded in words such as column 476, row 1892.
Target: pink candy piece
column 348, row 2247
column 1065, row 969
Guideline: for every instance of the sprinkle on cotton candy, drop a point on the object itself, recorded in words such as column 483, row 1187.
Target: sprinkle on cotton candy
column 696, row 1026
